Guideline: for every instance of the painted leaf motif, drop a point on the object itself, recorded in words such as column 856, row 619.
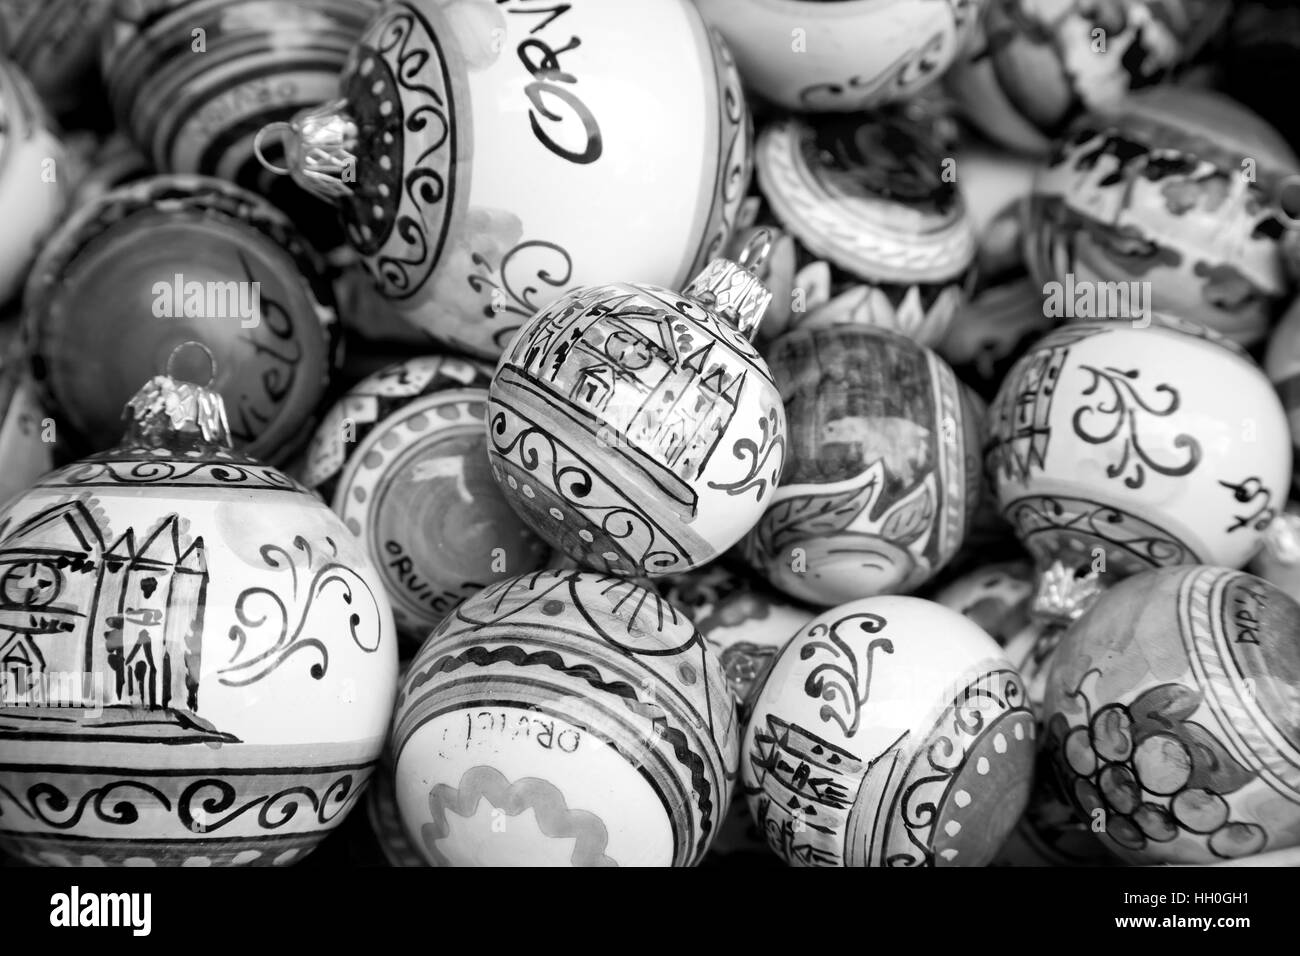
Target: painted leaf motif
column 910, row 518
column 1166, row 709
column 1162, row 708
column 1213, row 768
column 818, row 514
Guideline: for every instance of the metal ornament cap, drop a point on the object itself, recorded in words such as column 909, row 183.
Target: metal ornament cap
column 1063, row 595
column 166, row 413
column 320, row 147
column 733, row 290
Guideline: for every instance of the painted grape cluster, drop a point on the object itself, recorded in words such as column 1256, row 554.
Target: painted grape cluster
column 1154, row 774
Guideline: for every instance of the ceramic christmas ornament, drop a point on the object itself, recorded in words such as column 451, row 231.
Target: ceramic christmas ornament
column 402, row 458
column 1000, row 599
column 173, row 259
column 1171, row 716
column 564, row 718
column 193, row 81
column 199, row 657
column 872, row 229
column 1114, row 449
column 838, row 57
column 637, row 429
column 34, row 181
column 451, row 114
column 56, row 44
column 891, row 732
column 744, row 623
column 882, row 471
column 1175, row 197
column 1032, row 67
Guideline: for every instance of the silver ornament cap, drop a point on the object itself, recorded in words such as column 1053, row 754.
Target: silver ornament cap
column 733, row 290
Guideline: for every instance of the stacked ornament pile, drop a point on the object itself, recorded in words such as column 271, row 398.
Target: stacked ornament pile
column 866, row 443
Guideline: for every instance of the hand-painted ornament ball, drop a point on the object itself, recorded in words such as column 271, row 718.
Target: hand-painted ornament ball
column 891, row 731
column 564, row 718
column 174, row 259
column 1171, row 716
column 194, row 81
column 882, row 470
column 744, row 622
column 637, row 429
column 402, row 458
column 1114, row 449
column 1033, row 66
column 200, row 660
column 1000, row 599
column 34, row 186
column 450, row 117
column 872, row 228
column 1175, row 197
column 840, row 57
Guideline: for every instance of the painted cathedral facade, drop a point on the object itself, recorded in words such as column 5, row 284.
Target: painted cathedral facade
column 663, row 386
column 127, row 611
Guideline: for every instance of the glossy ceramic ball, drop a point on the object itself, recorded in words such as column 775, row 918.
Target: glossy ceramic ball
column 564, row 719
column 465, row 107
column 839, row 57
column 869, row 230
column 1032, row 67
column 200, row 663
column 169, row 260
column 193, row 81
column 1117, row 449
column 999, row 598
column 402, row 458
column 33, row 191
column 891, row 732
column 635, row 430
column 882, row 472
column 1171, row 716
column 744, row 622
column 1175, row 194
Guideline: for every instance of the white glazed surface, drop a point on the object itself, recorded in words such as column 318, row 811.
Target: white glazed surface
column 873, row 681
column 841, row 56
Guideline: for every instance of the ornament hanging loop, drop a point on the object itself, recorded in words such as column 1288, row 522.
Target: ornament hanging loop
column 273, row 129
column 170, row 369
column 320, row 149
